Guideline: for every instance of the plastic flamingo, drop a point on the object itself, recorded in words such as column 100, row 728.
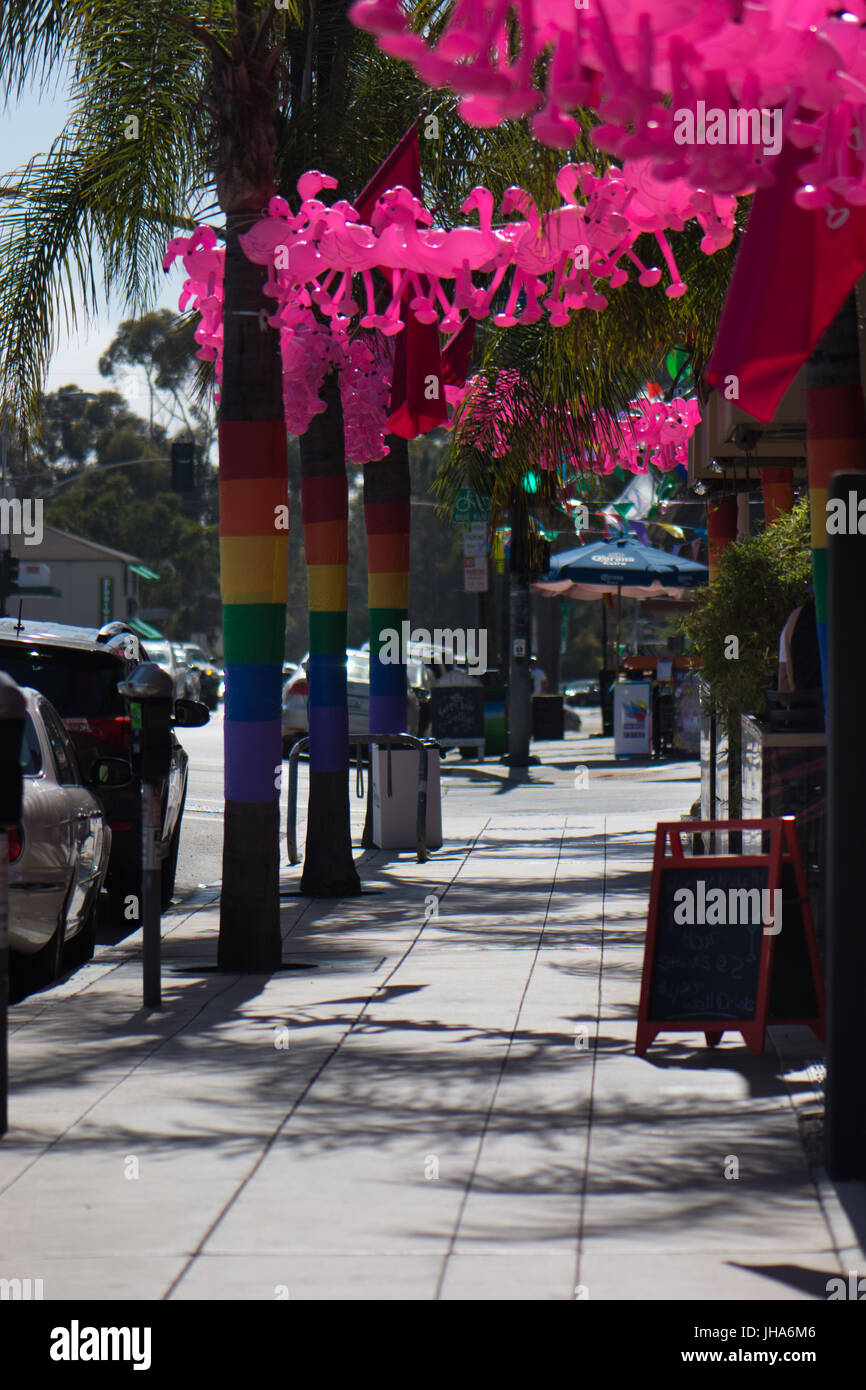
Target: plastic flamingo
column 806, row 59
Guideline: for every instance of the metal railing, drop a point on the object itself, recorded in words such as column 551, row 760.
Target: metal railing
column 364, row 742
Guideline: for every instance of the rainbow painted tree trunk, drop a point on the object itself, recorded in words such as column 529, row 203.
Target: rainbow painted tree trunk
column 835, row 438
column 387, row 514
column 329, row 870
column 253, row 482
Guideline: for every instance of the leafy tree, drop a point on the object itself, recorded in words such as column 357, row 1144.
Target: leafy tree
column 760, row 580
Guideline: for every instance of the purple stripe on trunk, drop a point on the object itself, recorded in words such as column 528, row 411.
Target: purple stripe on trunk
column 329, row 738
column 253, row 756
column 387, row 714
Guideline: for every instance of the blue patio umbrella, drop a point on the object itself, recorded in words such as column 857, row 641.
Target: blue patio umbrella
column 609, row 567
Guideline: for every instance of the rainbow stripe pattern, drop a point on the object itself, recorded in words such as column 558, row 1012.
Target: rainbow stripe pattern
column 387, row 520
column 325, row 512
column 254, row 557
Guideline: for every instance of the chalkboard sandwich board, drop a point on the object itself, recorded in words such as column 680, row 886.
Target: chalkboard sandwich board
column 457, row 716
column 730, row 944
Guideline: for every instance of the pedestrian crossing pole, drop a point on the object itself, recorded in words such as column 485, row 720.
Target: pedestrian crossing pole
column 150, row 692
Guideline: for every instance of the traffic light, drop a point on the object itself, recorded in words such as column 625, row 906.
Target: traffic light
column 183, row 467
column 9, row 567
column 530, row 482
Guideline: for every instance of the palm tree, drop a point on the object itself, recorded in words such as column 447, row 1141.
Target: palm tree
column 172, row 104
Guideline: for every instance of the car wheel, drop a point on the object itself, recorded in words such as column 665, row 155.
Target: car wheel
column 80, row 949
column 43, row 967
column 169, row 863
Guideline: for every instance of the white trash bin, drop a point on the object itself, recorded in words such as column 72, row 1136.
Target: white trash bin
column 395, row 817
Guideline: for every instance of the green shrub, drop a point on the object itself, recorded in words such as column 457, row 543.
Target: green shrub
column 760, row 580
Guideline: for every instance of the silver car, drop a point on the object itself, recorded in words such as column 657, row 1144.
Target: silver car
column 58, row 856
column 296, row 691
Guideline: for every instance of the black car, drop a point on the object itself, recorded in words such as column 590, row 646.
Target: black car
column 210, row 675
column 78, row 669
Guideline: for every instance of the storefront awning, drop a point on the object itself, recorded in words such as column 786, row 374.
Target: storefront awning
column 145, row 630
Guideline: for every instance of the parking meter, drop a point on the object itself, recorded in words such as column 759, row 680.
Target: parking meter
column 12, row 714
column 150, row 693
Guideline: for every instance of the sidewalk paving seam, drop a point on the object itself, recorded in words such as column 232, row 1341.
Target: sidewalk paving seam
column 199, row 1251
column 502, row 1069
column 584, row 1186
column 160, row 1043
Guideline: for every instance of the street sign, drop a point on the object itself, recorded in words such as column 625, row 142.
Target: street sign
column 106, row 599
column 474, row 574
column 475, row 540
column 469, row 508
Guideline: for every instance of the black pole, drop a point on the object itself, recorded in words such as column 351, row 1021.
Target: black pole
column 519, row 685
column 845, row 1132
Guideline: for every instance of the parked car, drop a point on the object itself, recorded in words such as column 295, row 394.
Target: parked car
column 582, row 692
column 59, row 854
column 188, row 681
column 78, row 669
column 162, row 653
column 295, row 722
column 211, row 678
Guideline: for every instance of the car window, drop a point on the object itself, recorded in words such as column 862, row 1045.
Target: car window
column 64, row 754
column 160, row 652
column 358, row 666
column 196, row 654
column 31, row 753
column 78, row 683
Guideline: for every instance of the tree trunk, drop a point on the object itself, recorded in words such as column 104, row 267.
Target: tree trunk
column 519, row 682
column 387, row 518
column 329, row 870
column 387, row 513
column 253, row 472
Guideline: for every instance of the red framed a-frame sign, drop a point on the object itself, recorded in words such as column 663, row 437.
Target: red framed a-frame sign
column 730, row 975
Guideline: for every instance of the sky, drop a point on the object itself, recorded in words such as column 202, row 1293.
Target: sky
column 28, row 128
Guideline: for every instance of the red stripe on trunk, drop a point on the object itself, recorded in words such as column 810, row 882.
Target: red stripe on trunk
column 252, row 449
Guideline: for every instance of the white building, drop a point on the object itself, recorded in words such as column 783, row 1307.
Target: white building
column 86, row 584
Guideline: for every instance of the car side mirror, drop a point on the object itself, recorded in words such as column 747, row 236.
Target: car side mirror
column 110, row 772
column 190, row 714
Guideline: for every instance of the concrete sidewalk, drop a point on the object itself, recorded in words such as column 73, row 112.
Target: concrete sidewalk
column 432, row 1098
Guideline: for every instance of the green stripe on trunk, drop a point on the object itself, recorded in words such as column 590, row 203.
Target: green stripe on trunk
column 254, row 634
column 328, row 633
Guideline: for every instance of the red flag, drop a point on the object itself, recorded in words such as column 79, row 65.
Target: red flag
column 418, row 386
column 403, row 166
column 457, row 354
column 794, row 271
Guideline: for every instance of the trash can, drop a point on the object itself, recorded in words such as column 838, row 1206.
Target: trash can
column 548, row 719
column 395, row 808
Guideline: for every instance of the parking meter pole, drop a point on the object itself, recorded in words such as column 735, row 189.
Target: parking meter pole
column 150, row 692
column 151, row 911
column 12, row 712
